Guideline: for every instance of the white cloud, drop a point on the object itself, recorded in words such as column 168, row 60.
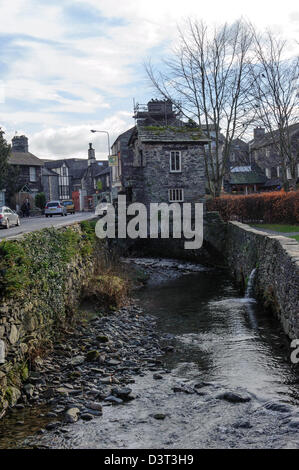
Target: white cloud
column 56, row 70
column 72, row 141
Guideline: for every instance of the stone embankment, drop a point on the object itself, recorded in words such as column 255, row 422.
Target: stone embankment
column 276, row 260
column 41, row 279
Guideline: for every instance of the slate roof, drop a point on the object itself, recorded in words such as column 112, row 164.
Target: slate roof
column 124, row 134
column 103, row 171
column 170, row 134
column 47, row 172
column 247, row 177
column 267, row 138
column 24, row 159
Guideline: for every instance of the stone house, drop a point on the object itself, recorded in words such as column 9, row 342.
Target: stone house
column 29, row 180
column 91, row 178
column 122, row 169
column 165, row 157
column 50, row 184
column 263, row 152
column 62, row 169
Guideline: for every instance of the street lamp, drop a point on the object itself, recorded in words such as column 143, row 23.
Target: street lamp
column 110, row 175
column 105, row 132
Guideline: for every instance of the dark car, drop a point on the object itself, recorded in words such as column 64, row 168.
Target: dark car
column 8, row 217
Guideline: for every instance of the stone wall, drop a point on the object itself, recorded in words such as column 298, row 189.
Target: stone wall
column 276, row 259
column 153, row 179
column 41, row 279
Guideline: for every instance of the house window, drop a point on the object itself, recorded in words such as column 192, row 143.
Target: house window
column 268, row 172
column 176, row 195
column 278, row 171
column 64, row 171
column 289, row 176
column 32, row 174
column 175, row 161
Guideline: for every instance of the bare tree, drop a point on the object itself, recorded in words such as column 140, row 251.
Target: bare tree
column 209, row 78
column 275, row 89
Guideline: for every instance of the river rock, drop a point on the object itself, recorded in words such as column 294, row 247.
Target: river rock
column 183, row 388
column 294, row 423
column 114, row 400
column 86, row 416
column 280, row 407
column 159, row 416
column 72, row 415
column 54, row 425
column 29, row 390
column 77, row 360
column 157, row 377
column 233, row 397
column 92, row 356
column 94, row 406
column 122, row 393
column 102, row 339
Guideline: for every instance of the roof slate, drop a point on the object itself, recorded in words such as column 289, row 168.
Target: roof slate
column 24, row 159
column 245, row 177
column 171, row 134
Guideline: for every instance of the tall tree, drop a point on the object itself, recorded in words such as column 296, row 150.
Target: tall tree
column 276, row 91
column 208, row 77
column 4, row 165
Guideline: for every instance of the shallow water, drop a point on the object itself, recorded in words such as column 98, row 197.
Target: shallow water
column 222, row 342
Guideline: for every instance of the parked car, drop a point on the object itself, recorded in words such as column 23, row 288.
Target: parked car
column 55, row 208
column 8, row 217
column 70, row 206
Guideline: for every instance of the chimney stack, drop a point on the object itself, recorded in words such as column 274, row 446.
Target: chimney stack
column 91, row 155
column 258, row 132
column 20, row 143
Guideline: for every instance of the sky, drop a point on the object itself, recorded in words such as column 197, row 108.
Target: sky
column 68, row 66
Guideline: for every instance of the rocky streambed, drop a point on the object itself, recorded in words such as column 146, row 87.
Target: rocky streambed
column 188, row 364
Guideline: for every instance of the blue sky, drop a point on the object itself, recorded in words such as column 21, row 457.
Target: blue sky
column 69, row 66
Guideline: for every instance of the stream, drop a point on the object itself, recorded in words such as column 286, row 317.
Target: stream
column 226, row 380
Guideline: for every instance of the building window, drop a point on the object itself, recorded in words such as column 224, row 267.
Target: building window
column 176, row 195
column 175, row 161
column 278, row 172
column 64, row 192
column 32, row 174
column 289, row 176
column 64, row 173
column 268, row 172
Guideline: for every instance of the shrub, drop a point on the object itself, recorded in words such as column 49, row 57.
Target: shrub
column 40, row 200
column 272, row 207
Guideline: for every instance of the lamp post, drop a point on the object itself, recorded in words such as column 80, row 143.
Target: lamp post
column 110, row 175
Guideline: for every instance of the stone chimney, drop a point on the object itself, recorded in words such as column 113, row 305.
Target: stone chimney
column 91, row 155
column 258, row 133
column 20, row 143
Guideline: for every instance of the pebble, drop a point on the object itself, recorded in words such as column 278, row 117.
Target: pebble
column 233, row 397
column 86, row 416
column 113, row 399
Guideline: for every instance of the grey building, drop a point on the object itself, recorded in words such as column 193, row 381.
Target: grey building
column 29, row 168
column 91, row 178
column 50, row 184
column 167, row 157
column 263, row 151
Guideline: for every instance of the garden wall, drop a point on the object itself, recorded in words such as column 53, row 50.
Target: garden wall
column 42, row 275
column 276, row 259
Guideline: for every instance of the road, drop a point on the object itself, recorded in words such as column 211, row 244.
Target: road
column 32, row 224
